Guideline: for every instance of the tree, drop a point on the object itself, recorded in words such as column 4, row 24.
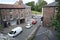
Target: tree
column 58, row 16
column 32, row 4
column 56, row 22
column 40, row 4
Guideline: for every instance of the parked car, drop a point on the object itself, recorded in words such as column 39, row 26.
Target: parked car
column 14, row 32
column 28, row 26
column 34, row 22
column 34, row 17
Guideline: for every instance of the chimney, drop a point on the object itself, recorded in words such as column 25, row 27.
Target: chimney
column 19, row 0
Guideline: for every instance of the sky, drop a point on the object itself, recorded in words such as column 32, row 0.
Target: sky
column 24, row 1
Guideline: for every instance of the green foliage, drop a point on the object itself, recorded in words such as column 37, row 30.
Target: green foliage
column 32, row 4
column 35, row 12
column 58, row 36
column 56, row 22
column 58, row 16
column 38, row 6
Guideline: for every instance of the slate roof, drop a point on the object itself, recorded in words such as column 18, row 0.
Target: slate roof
column 26, row 6
column 53, row 4
column 10, row 6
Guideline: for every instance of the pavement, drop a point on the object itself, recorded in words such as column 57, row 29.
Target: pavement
column 26, row 32
column 44, row 34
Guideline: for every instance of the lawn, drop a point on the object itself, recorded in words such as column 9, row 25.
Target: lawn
column 35, row 12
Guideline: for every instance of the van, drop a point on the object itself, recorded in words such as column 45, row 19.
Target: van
column 15, row 31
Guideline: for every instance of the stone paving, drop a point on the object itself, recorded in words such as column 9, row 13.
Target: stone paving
column 44, row 34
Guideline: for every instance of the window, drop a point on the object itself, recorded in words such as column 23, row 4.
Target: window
column 21, row 15
column 10, row 10
column 17, row 16
column 21, row 9
column 12, row 32
column 4, row 18
column 11, row 17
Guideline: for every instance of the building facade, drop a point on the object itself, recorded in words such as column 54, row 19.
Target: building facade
column 49, row 11
column 12, row 14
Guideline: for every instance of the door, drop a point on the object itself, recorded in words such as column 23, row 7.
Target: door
column 13, row 22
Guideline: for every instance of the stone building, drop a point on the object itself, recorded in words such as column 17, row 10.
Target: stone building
column 49, row 11
column 12, row 14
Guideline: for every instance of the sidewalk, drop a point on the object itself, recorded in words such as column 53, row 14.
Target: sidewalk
column 44, row 34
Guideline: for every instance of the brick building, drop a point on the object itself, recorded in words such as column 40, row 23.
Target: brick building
column 49, row 11
column 11, row 14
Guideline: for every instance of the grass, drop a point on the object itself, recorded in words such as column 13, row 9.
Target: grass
column 35, row 12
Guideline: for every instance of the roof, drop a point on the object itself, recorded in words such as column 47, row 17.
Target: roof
column 17, row 28
column 26, row 6
column 53, row 4
column 10, row 6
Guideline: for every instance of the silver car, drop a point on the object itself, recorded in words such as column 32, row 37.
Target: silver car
column 28, row 26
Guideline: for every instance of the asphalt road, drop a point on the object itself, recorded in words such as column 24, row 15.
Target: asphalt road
column 27, row 32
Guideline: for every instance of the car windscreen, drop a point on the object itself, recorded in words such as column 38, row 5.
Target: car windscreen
column 12, row 32
column 28, row 24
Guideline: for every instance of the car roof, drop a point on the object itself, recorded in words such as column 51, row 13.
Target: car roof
column 17, row 28
column 28, row 24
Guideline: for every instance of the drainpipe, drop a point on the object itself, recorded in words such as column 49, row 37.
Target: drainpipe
column 1, row 16
column 19, row 16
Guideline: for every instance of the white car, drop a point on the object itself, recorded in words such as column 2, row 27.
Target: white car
column 15, row 31
column 28, row 26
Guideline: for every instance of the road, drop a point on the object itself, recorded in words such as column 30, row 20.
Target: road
column 27, row 32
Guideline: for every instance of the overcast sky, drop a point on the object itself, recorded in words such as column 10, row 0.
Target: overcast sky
column 25, row 1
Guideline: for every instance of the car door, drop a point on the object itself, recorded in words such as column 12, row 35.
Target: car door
column 15, row 33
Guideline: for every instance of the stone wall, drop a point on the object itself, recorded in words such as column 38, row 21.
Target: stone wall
column 48, row 12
